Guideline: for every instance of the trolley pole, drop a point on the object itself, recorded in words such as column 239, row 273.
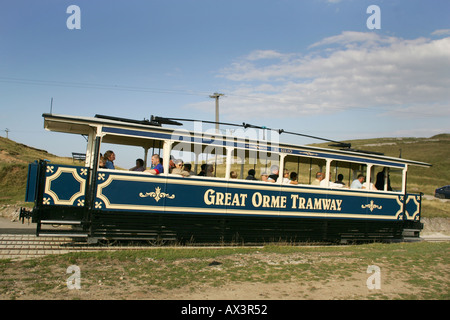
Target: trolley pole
column 216, row 96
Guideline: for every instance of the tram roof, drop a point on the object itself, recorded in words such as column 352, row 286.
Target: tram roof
column 141, row 133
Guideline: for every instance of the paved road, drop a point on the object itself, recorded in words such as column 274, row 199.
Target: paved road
column 17, row 227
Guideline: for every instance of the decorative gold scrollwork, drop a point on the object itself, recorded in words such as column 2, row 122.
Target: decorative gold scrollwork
column 157, row 194
column 371, row 206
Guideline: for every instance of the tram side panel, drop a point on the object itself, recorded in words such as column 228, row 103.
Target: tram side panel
column 197, row 204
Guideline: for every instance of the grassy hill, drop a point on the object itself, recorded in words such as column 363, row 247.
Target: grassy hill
column 15, row 157
column 14, row 160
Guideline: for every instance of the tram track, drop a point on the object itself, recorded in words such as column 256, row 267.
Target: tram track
column 26, row 246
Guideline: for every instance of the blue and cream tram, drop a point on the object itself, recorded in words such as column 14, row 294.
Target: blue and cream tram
column 95, row 203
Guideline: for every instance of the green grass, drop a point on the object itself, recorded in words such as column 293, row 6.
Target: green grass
column 415, row 270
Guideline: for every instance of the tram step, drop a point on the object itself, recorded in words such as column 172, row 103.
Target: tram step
column 62, row 234
column 60, row 222
column 413, row 233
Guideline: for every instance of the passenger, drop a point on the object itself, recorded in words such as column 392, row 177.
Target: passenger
column 329, row 184
column 340, row 178
column 188, row 168
column 369, row 186
column 319, row 178
column 286, row 179
column 293, row 178
column 171, row 164
column 179, row 168
column 102, row 162
column 358, row 182
column 264, row 176
column 251, row 175
column 233, row 175
column 157, row 167
column 109, row 159
column 139, row 166
column 202, row 172
column 209, row 170
column 379, row 184
column 275, row 170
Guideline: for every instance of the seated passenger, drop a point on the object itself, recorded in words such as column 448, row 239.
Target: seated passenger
column 340, row 178
column 202, row 172
column 285, row 176
column 329, row 184
column 139, row 165
column 251, row 175
column 274, row 176
column 157, row 167
column 369, row 186
column 188, row 168
column 209, row 170
column 293, row 178
column 179, row 168
column 264, row 176
column 109, row 159
column 319, row 178
column 233, row 175
column 102, row 162
column 358, row 182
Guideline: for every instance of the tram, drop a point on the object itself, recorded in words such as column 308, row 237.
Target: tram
column 91, row 203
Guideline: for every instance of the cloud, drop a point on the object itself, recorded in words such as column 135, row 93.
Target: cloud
column 441, row 32
column 352, row 70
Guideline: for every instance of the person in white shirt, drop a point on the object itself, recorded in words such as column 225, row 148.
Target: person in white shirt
column 358, row 182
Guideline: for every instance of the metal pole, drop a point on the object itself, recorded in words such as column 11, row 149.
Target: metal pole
column 216, row 96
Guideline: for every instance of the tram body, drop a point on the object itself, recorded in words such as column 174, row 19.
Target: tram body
column 91, row 203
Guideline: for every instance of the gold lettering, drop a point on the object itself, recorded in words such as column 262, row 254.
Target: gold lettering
column 257, row 199
column 301, row 204
column 339, row 202
column 309, row 204
column 227, row 198
column 219, row 198
column 266, row 201
column 209, row 197
column 235, row 200
column 283, row 202
column 294, row 198
column 275, row 202
column 317, row 204
column 243, row 198
column 326, row 203
column 333, row 205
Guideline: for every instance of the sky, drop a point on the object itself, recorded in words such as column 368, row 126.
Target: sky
column 337, row 69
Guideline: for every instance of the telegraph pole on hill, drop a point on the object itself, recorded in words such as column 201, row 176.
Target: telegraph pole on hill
column 216, row 96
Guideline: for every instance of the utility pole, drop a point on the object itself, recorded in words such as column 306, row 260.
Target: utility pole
column 7, row 130
column 216, row 96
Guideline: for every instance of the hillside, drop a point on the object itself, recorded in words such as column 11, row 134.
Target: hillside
column 14, row 159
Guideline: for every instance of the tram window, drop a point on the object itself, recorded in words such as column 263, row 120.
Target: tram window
column 387, row 179
column 265, row 160
column 213, row 161
column 306, row 168
column 347, row 172
column 241, row 162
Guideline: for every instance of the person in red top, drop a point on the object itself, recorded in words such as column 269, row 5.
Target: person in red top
column 157, row 167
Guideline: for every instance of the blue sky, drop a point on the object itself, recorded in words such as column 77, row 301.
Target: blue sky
column 309, row 66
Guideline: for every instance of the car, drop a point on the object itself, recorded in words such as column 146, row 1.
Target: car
column 443, row 192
